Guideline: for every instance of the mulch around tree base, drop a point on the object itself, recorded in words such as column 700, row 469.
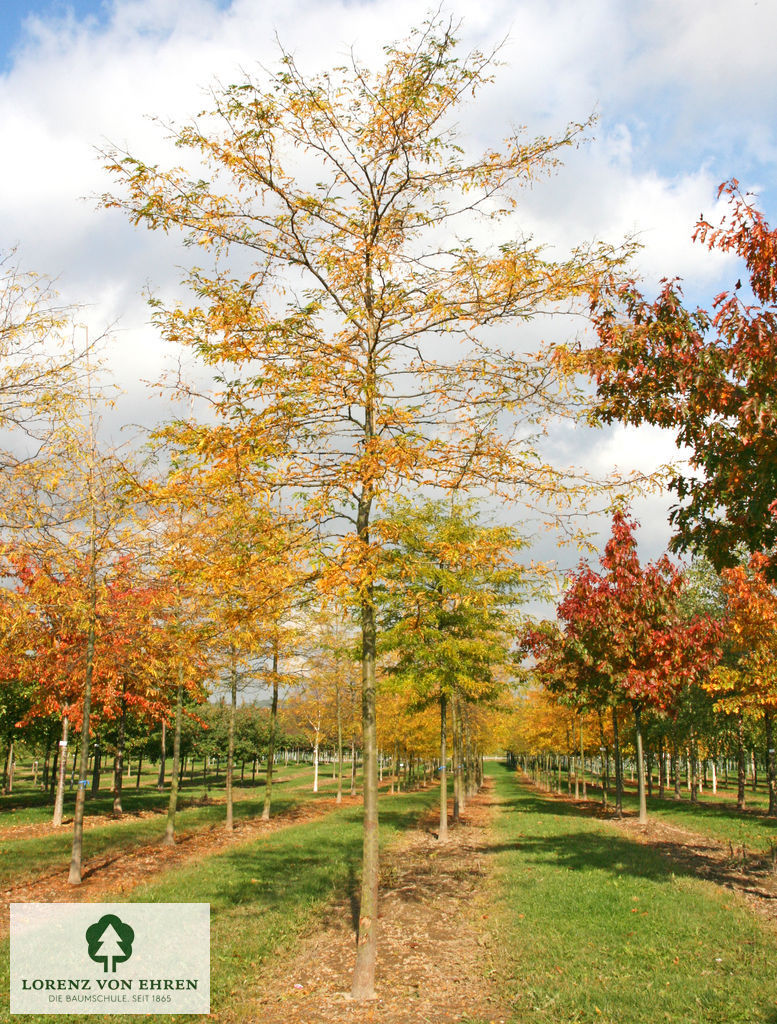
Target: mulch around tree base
column 434, row 952
column 118, row 873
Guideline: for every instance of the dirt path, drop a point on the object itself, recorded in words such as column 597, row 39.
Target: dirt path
column 751, row 874
column 434, row 953
column 119, row 872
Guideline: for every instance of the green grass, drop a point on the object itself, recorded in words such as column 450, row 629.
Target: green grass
column 26, row 858
column 263, row 894
column 714, row 815
column 594, row 927
column 27, row 805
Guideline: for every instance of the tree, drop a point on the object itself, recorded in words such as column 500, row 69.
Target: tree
column 446, row 586
column 346, row 190
column 40, row 367
column 625, row 633
column 750, row 683
column 711, row 377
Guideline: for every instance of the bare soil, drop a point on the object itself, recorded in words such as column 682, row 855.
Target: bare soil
column 434, row 959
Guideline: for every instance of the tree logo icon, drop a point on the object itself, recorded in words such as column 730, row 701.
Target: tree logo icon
column 110, row 941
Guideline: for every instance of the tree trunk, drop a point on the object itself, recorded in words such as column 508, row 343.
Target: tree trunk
column 339, row 745
column 618, row 767
column 96, row 767
column 230, row 824
column 741, row 771
column 172, row 807
column 443, row 833
column 353, row 766
column 118, row 761
column 694, row 761
column 582, row 760
column 363, row 986
column 44, row 782
column 640, row 767
column 160, row 782
column 315, row 764
column 271, row 740
column 676, row 763
column 455, row 757
column 770, row 775
column 661, row 773
column 59, row 801
column 74, row 877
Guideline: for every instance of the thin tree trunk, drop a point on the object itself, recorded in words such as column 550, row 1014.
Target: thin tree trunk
column 11, row 766
column 96, row 767
column 741, row 770
column 443, row 834
column 770, row 773
column 53, row 775
column 462, row 756
column 118, row 762
column 353, row 766
column 640, row 767
column 172, row 807
column 59, row 801
column 44, row 782
column 271, row 740
column 694, row 769
column 339, row 745
column 676, row 763
column 76, row 857
column 661, row 773
column 455, row 756
column 582, row 760
column 605, row 763
column 160, row 782
column 229, row 824
column 618, row 767
column 363, row 986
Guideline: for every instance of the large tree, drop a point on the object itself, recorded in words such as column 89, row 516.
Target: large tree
column 356, row 349
column 710, row 376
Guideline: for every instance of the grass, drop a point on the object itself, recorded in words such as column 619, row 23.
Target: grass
column 714, row 815
column 23, row 858
column 264, row 894
column 594, row 927
column 27, row 805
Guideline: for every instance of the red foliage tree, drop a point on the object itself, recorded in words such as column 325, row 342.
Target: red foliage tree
column 711, row 377
column 626, row 636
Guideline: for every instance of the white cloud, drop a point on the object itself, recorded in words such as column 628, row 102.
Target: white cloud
column 681, row 90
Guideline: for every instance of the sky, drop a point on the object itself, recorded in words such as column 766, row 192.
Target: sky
column 683, row 94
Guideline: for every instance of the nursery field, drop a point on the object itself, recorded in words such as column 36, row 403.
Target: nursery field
column 538, row 908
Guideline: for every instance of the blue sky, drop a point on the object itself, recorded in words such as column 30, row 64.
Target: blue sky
column 685, row 94
column 15, row 13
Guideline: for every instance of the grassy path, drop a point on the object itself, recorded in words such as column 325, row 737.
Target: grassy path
column 598, row 928
column 264, row 894
column 35, row 851
column 714, row 815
